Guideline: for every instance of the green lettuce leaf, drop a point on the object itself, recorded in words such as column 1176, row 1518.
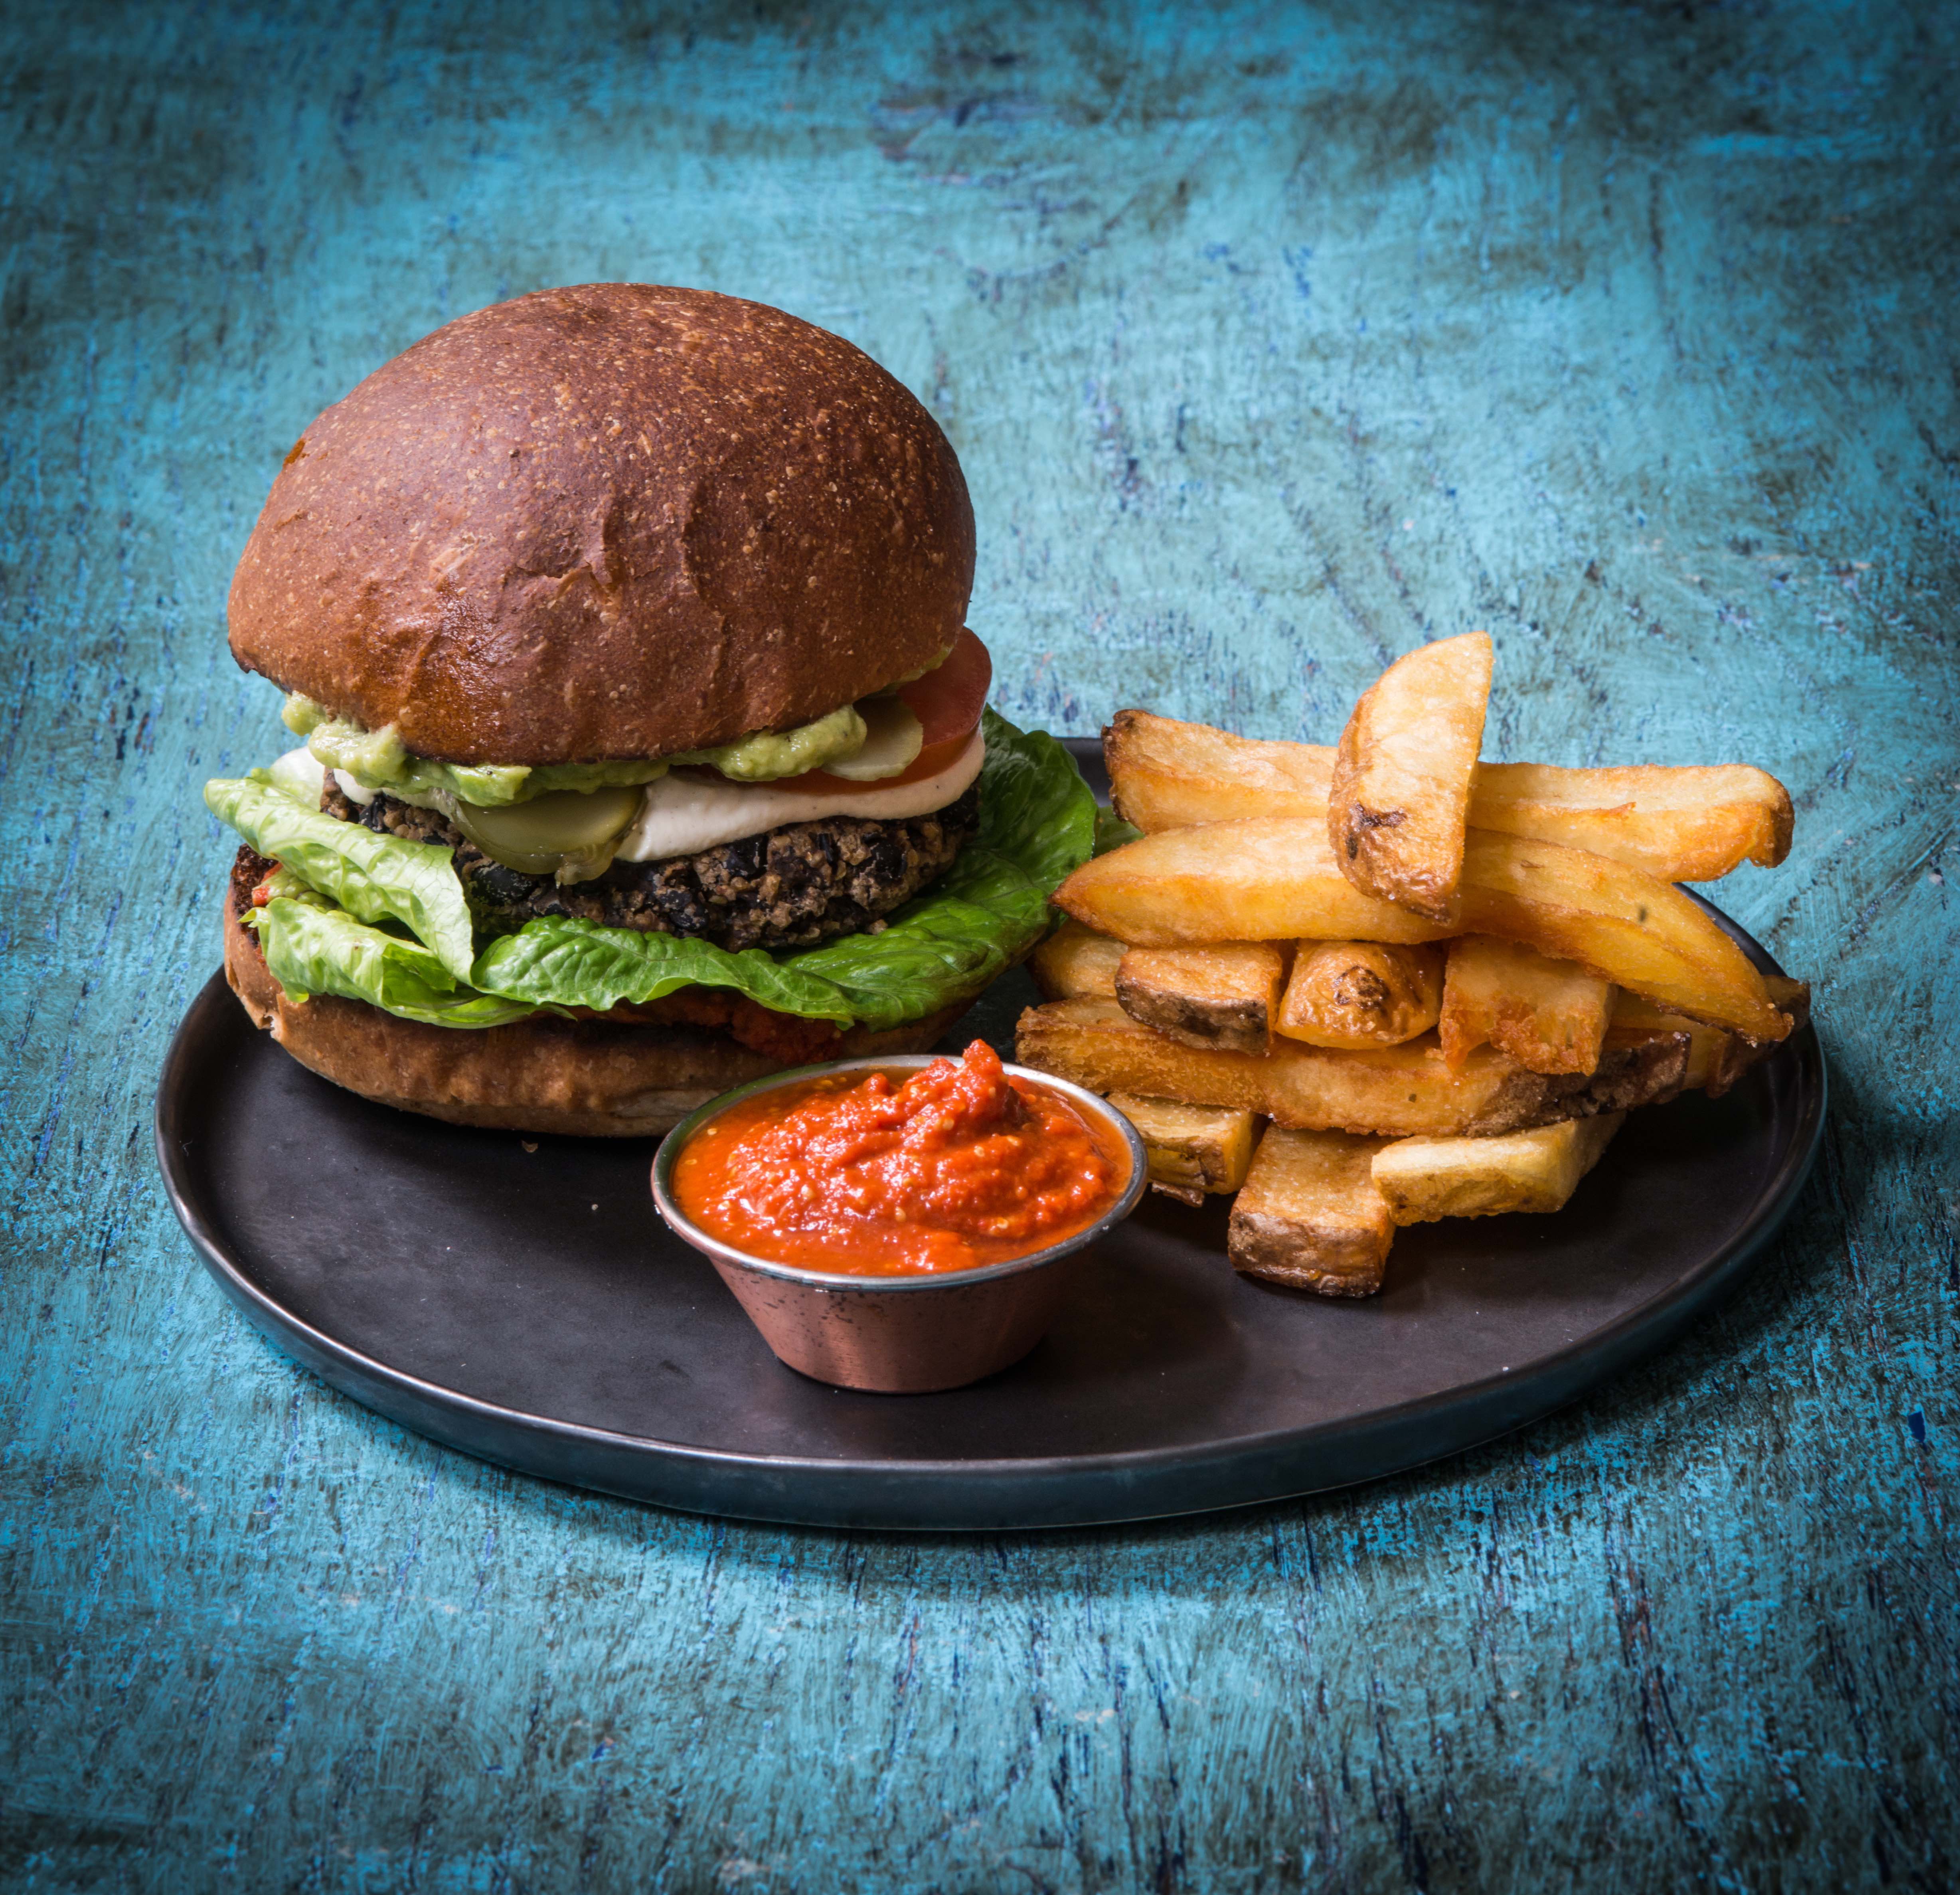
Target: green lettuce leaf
column 1038, row 822
column 1035, row 808
column 557, row 960
column 374, row 878
column 311, row 949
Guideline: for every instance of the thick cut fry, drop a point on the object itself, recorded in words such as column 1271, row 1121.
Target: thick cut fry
column 1276, row 878
column 1223, row 996
column 1399, row 1091
column 1075, row 963
column 1192, row 1149
column 1400, row 798
column 1310, row 1216
column 1789, row 996
column 1680, row 825
column 1716, row 1060
column 1164, row 775
column 1547, row 1015
column 1617, row 923
column 1423, row 1179
column 1270, row 879
column 1361, row 994
column 1710, row 1049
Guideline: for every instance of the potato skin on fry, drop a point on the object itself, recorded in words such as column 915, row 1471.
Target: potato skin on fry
column 1716, row 1060
column 1275, row 879
column 1399, row 800
column 1310, row 1216
column 1397, row 1091
column 1222, row 996
column 1192, row 1149
column 1356, row 993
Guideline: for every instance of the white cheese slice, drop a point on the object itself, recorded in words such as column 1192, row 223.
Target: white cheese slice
column 299, row 774
column 683, row 813
column 687, row 812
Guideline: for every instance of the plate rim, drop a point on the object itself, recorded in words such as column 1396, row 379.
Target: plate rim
column 1554, row 1381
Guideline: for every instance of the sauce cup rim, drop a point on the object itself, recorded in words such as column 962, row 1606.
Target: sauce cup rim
column 1079, row 1096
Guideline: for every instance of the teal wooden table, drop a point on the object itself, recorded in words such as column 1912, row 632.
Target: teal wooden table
column 1274, row 340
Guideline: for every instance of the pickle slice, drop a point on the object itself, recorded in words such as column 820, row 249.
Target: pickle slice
column 894, row 737
column 538, row 837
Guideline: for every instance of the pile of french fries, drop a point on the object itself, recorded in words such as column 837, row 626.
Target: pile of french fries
column 1385, row 983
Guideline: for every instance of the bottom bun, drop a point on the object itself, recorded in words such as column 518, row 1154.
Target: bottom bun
column 586, row 1078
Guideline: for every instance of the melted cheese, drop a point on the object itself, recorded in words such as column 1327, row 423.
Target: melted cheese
column 683, row 813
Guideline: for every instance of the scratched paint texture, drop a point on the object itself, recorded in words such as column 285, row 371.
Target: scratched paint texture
column 1275, row 340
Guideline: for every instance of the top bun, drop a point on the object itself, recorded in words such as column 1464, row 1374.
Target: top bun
column 608, row 522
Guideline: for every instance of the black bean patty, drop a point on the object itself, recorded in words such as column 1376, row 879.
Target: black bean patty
column 805, row 882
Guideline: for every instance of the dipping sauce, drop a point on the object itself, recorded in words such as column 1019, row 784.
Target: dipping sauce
column 959, row 1166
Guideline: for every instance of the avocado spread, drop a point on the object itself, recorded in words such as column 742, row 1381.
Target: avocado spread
column 379, row 760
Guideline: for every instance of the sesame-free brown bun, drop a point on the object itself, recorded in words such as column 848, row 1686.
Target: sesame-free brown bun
column 614, row 521
column 584, row 1078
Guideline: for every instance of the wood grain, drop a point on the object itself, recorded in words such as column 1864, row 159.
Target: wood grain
column 1273, row 340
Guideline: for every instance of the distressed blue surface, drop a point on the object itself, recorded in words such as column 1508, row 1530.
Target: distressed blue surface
column 1274, row 340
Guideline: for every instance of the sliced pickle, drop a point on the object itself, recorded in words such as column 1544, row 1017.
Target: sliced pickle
column 536, row 837
column 894, row 737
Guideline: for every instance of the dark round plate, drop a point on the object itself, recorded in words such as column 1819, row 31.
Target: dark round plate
column 530, row 1308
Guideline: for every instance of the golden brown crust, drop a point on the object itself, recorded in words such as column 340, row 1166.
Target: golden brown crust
column 584, row 1078
column 1343, row 1263
column 618, row 521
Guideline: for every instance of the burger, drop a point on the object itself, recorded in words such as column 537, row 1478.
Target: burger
column 640, row 746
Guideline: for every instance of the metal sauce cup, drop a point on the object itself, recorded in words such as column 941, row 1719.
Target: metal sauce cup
column 899, row 1335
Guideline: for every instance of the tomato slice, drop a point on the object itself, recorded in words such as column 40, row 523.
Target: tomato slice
column 947, row 701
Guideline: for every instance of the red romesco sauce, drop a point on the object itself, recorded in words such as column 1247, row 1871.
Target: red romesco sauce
column 958, row 1167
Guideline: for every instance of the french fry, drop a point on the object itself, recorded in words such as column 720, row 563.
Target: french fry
column 1716, row 1060
column 1681, row 824
column 1789, row 996
column 1275, row 878
column 1361, row 994
column 1399, row 801
column 1310, row 1216
column 1423, row 1179
column 1223, row 996
column 1624, row 925
column 1678, row 824
column 1192, row 1149
column 1166, row 774
column 1398, row 1090
column 1635, row 1021
column 1549, row 1015
column 1075, row 963
column 1271, row 878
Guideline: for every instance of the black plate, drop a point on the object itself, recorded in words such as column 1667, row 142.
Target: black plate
column 530, row 1308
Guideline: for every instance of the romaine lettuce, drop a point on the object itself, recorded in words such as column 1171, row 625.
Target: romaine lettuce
column 374, row 877
column 324, row 950
column 1037, row 824
column 555, row 960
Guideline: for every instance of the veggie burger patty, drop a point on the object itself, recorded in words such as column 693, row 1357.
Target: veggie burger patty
column 791, row 887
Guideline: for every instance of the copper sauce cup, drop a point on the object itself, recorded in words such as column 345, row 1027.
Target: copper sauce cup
column 909, row 1335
